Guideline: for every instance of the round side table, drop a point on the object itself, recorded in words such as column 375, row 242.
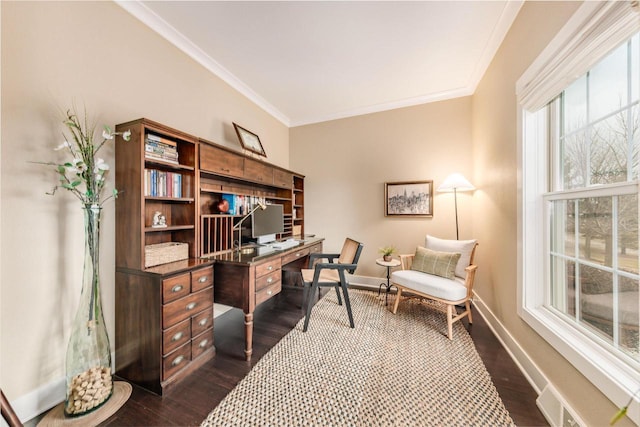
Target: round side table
column 389, row 264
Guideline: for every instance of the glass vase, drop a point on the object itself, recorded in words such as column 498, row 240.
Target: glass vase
column 88, row 358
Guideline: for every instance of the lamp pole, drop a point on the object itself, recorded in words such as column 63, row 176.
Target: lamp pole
column 455, row 202
column 455, row 182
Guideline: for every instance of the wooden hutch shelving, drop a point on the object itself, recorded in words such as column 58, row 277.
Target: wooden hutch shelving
column 164, row 313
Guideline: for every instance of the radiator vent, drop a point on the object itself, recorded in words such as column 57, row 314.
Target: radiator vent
column 556, row 410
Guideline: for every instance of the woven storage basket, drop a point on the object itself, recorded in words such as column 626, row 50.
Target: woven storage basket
column 163, row 253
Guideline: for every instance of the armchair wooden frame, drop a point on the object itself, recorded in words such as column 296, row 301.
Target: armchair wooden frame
column 452, row 314
column 331, row 274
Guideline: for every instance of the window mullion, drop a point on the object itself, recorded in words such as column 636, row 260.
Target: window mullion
column 587, row 131
column 614, row 266
column 630, row 122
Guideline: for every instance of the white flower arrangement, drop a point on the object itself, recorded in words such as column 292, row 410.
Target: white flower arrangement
column 84, row 175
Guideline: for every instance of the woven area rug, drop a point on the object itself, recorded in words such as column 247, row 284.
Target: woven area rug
column 391, row 370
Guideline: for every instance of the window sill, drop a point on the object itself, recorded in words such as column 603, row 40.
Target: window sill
column 616, row 380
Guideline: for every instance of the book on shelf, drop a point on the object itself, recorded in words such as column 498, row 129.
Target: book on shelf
column 231, row 201
column 159, row 183
column 152, row 137
column 239, row 204
column 158, row 148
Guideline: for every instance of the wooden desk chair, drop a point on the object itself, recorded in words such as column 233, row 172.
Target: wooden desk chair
column 331, row 273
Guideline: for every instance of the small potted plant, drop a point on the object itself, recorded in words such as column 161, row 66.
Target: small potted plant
column 386, row 252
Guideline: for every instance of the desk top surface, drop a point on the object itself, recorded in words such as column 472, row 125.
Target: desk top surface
column 262, row 253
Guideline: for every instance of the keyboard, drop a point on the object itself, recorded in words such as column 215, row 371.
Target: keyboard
column 285, row 244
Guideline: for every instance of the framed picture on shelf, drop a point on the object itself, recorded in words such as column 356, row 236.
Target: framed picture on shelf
column 249, row 140
column 408, row 199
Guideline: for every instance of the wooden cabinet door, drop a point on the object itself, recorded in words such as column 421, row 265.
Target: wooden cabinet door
column 258, row 172
column 218, row 161
column 282, row 178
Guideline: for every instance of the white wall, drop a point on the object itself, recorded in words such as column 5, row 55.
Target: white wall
column 348, row 161
column 96, row 55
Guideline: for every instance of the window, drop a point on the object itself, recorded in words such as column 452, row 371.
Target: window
column 593, row 201
column 579, row 112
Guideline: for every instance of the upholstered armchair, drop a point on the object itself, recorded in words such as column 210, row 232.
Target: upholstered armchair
column 443, row 271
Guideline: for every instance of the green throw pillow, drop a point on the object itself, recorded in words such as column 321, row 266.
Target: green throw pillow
column 434, row 262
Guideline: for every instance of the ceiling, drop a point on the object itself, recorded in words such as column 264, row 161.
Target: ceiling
column 307, row 61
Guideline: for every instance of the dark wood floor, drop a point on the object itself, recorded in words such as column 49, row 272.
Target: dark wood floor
column 189, row 402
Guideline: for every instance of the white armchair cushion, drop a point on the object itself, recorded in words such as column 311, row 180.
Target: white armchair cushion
column 463, row 247
column 439, row 287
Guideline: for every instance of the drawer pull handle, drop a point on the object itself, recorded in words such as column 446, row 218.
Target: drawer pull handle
column 269, row 280
column 176, row 337
column 191, row 306
column 203, row 321
column 203, row 343
column 269, row 292
column 298, row 254
column 203, row 279
column 270, row 268
column 178, row 360
column 177, row 288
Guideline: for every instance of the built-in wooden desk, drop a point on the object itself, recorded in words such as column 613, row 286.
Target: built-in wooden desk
column 245, row 280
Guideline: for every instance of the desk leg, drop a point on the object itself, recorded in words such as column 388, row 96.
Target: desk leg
column 248, row 335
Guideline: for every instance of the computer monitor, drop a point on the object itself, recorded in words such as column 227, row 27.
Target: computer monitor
column 265, row 224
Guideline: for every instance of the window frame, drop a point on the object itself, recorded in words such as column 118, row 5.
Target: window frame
column 616, row 379
column 570, row 54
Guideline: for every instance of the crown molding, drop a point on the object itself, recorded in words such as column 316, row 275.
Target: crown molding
column 507, row 17
column 378, row 108
column 145, row 15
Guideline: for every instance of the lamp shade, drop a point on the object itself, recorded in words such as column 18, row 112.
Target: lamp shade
column 457, row 182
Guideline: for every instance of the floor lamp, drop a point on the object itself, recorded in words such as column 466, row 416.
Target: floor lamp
column 456, row 182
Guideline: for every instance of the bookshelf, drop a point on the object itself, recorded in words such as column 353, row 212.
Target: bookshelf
column 168, row 228
column 164, row 292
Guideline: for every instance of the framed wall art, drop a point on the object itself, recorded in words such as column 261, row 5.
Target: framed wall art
column 249, row 140
column 408, row 199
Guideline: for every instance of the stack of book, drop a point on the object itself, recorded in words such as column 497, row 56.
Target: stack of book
column 159, row 148
column 162, row 183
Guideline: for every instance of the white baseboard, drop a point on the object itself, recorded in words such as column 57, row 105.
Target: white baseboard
column 43, row 398
column 550, row 402
column 39, row 400
column 529, row 369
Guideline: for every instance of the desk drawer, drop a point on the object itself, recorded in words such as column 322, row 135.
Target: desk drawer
column 176, row 361
column 176, row 336
column 294, row 256
column 266, row 293
column 201, row 279
column 268, row 267
column 183, row 308
column 202, row 322
column 175, row 287
column 316, row 249
column 268, row 280
column 201, row 343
